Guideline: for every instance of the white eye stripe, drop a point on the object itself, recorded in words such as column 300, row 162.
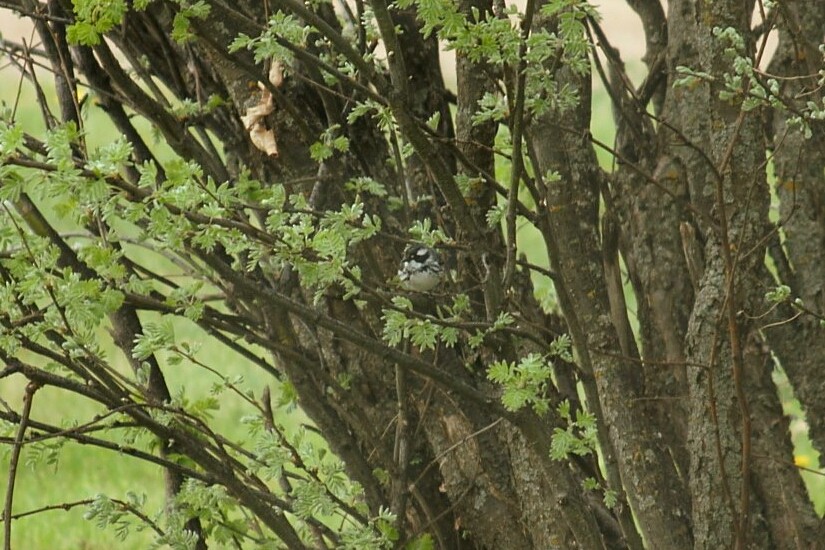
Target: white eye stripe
column 430, row 263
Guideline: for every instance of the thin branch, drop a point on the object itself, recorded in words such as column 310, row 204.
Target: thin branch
column 402, row 444
column 453, row 447
column 342, row 44
column 518, row 130
column 28, row 397
column 86, row 502
column 108, row 445
column 409, row 126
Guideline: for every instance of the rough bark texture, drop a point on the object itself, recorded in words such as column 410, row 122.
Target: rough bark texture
column 691, row 436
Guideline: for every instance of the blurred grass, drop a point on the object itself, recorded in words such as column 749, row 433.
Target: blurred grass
column 805, row 456
column 85, row 471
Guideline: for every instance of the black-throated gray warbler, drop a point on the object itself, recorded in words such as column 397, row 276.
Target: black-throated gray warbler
column 420, row 268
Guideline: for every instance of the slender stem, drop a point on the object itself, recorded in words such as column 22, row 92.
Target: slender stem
column 28, row 397
column 517, row 133
column 400, row 489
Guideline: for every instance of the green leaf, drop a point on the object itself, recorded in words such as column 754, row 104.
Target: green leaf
column 181, row 23
column 434, row 121
column 590, row 484
column 395, row 327
column 424, row 334
column 281, row 28
column 423, row 232
column 562, row 347
column 564, row 409
column 476, row 339
column 421, row 542
column 11, row 138
column 779, row 294
column 524, row 383
column 366, row 185
column 495, row 214
column 93, row 18
column 449, row 335
column 155, row 337
column 13, row 183
column 610, row 498
column 579, row 438
column 491, row 109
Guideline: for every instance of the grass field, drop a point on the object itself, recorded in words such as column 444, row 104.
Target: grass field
column 83, row 471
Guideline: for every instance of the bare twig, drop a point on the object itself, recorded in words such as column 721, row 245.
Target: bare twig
column 66, row 506
column 28, row 397
column 518, row 131
column 453, row 447
column 402, row 445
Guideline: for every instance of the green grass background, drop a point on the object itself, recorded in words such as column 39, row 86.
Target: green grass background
column 85, row 471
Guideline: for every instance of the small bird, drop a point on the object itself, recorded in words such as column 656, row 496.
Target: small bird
column 420, row 268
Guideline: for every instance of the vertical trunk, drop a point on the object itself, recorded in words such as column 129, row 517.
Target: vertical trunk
column 800, row 186
column 612, row 377
column 723, row 155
